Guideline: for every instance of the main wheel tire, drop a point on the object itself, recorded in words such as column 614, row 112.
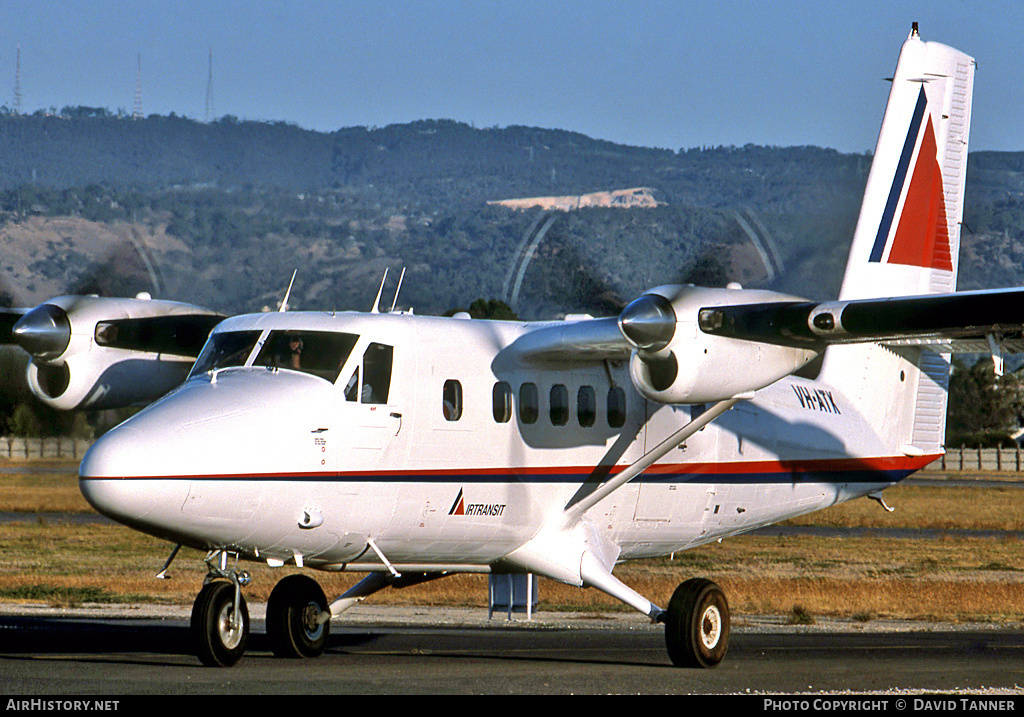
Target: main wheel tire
column 218, row 642
column 293, row 607
column 697, row 624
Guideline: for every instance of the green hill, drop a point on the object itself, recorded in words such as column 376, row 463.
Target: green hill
column 221, row 213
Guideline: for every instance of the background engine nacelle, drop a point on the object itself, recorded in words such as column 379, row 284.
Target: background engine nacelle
column 105, row 378
column 90, row 352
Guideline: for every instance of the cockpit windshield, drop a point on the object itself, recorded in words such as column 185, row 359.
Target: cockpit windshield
column 321, row 353
column 225, row 349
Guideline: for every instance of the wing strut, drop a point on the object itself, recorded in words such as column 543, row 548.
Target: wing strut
column 575, row 510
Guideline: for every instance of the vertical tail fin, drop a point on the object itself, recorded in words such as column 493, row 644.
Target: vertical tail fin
column 907, row 239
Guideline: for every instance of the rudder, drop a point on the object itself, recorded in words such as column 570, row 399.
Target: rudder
column 907, row 239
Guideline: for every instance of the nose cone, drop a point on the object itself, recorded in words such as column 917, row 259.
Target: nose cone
column 106, row 479
column 246, row 423
column 44, row 332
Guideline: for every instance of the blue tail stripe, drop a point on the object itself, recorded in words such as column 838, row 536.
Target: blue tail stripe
column 901, row 176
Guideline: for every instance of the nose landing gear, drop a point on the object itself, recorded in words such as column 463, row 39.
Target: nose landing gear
column 220, row 617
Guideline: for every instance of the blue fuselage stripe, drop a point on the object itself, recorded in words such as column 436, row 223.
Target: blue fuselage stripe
column 854, row 475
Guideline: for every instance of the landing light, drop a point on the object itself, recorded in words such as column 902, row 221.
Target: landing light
column 824, row 322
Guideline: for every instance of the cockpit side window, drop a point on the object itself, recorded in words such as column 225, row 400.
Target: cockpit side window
column 376, row 373
column 225, row 349
column 377, row 362
column 321, row 353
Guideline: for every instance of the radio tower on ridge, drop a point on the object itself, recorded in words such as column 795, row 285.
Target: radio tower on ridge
column 209, row 90
column 17, row 81
column 137, row 109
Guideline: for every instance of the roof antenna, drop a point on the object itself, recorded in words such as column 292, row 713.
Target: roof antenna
column 395, row 300
column 284, row 302
column 376, row 302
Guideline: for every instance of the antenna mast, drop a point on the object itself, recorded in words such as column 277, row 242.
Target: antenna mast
column 137, row 110
column 17, row 81
column 209, row 90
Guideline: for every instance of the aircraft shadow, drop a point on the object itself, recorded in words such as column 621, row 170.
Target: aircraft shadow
column 88, row 636
column 89, row 639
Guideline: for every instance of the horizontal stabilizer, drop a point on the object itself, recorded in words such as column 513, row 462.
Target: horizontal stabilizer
column 960, row 322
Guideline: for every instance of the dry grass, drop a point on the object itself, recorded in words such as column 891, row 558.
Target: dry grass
column 939, row 508
column 52, row 489
column 950, row 578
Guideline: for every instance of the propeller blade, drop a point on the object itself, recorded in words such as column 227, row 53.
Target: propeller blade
column 44, row 332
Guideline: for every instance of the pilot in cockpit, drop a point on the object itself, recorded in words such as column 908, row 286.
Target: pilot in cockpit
column 295, row 351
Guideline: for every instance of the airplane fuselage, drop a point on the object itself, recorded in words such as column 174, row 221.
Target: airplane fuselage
column 425, row 443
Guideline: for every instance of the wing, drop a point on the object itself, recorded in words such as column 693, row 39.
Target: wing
column 182, row 335
column 580, row 341
column 964, row 322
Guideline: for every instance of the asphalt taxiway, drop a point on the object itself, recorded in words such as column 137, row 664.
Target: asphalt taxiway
column 145, row 650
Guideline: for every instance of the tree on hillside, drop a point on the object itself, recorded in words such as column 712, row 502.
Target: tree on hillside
column 487, row 309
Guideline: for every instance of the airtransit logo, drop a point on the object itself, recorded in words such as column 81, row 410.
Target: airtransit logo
column 461, row 507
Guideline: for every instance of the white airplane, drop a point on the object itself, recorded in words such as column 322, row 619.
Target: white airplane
column 413, row 447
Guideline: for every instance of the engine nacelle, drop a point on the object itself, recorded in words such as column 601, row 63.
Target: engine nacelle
column 91, row 352
column 105, row 378
column 674, row 361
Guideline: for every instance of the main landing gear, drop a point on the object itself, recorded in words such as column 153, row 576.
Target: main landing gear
column 697, row 624
column 294, row 623
column 298, row 614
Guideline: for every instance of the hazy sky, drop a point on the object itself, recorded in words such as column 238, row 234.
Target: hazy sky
column 656, row 74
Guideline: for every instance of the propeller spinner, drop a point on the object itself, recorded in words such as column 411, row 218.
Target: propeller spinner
column 648, row 323
column 44, row 332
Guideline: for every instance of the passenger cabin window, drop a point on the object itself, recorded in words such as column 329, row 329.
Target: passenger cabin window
column 451, row 400
column 616, row 407
column 501, row 402
column 559, row 408
column 528, row 403
column 320, row 353
column 586, row 406
column 375, row 386
column 225, row 349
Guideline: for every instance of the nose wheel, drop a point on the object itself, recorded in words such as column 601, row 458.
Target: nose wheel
column 220, row 618
column 220, row 624
column 697, row 624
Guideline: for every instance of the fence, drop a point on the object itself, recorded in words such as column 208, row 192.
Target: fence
column 1008, row 459
column 54, row 447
